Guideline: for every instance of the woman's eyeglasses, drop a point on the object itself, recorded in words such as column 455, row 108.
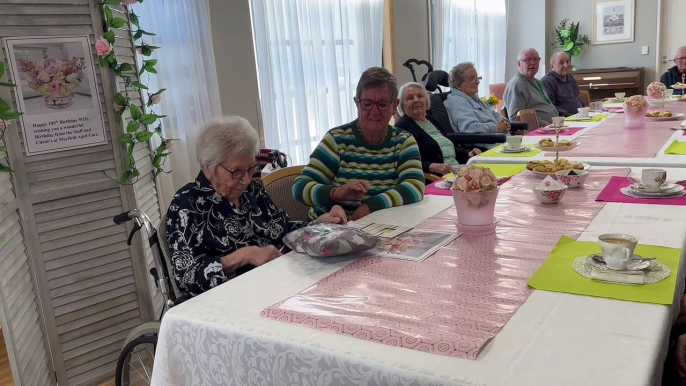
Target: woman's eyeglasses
column 238, row 174
column 473, row 80
column 368, row 105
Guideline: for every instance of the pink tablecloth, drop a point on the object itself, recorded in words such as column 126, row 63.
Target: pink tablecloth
column 611, row 139
column 432, row 190
column 458, row 299
column 611, row 193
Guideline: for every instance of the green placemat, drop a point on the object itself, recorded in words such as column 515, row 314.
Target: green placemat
column 492, row 153
column 500, row 170
column 557, row 274
column 676, row 148
column 595, row 118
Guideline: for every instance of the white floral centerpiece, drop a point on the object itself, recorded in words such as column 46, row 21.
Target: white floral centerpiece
column 475, row 191
column 635, row 108
column 656, row 90
column 55, row 79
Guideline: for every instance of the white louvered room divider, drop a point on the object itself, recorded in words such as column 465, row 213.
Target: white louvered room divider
column 71, row 289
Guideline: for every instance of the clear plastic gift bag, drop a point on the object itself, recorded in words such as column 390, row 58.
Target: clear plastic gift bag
column 326, row 240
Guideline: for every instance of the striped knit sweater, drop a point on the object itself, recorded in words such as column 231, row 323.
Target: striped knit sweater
column 393, row 169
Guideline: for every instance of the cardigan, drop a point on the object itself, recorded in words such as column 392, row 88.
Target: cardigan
column 392, row 167
column 429, row 149
column 471, row 115
column 522, row 93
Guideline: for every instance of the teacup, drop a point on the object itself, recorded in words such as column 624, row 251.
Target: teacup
column 620, row 96
column 618, row 249
column 653, row 178
column 583, row 112
column 514, row 142
column 558, row 122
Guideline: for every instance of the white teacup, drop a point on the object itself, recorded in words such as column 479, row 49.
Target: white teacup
column 653, row 178
column 558, row 122
column 514, row 142
column 618, row 249
column 620, row 95
column 583, row 112
column 669, row 92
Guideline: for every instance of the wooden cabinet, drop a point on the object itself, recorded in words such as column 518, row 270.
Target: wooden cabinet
column 605, row 82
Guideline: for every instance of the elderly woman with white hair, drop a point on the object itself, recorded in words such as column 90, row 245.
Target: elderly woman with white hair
column 468, row 113
column 224, row 223
column 439, row 155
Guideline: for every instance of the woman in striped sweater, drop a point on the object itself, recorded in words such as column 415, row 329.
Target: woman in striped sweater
column 365, row 165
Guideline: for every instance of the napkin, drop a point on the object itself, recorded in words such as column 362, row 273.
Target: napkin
column 550, row 184
column 617, row 277
column 677, row 148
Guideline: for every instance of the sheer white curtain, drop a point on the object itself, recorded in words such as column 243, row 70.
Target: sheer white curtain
column 186, row 68
column 471, row 31
column 310, row 55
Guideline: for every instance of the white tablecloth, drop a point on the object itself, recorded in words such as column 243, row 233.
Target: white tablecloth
column 661, row 160
column 219, row 338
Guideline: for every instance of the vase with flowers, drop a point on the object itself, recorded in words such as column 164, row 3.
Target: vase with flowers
column 635, row 109
column 474, row 192
column 656, row 90
column 55, row 79
column 491, row 100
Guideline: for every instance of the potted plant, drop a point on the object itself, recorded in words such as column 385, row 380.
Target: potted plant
column 566, row 36
column 474, row 192
column 6, row 116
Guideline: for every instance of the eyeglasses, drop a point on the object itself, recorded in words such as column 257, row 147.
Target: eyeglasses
column 679, row 60
column 473, row 80
column 238, row 174
column 368, row 105
column 531, row 60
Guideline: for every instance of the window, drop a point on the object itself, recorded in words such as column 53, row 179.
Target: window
column 470, row 31
column 310, row 55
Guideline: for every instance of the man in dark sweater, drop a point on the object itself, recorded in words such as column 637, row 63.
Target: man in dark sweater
column 561, row 86
column 676, row 74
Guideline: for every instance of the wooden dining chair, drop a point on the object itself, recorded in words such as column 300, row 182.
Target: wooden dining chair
column 279, row 186
column 585, row 97
column 529, row 117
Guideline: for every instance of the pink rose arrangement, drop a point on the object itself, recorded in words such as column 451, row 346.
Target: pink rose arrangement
column 656, row 89
column 636, row 103
column 53, row 77
column 475, row 179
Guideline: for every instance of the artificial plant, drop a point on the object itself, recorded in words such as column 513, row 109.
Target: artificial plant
column 6, row 115
column 567, row 37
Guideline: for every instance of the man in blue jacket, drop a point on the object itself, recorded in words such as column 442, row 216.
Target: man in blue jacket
column 676, row 74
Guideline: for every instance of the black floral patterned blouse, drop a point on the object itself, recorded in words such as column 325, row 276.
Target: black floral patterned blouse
column 203, row 227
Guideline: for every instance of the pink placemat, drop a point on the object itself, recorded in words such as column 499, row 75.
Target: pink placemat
column 571, row 131
column 459, row 298
column 611, row 139
column 611, row 193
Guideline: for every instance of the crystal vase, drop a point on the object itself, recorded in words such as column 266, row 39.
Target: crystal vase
column 57, row 101
column 475, row 208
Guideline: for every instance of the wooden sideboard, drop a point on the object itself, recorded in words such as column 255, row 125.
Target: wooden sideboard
column 605, row 82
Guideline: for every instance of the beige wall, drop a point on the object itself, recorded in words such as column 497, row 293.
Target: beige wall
column 234, row 54
column 411, row 25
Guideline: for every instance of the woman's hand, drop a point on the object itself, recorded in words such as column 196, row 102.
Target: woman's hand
column 335, row 216
column 474, row 153
column 361, row 211
column 352, row 191
column 502, row 126
column 440, row 169
column 249, row 255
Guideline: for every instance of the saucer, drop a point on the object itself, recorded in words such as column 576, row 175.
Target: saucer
column 477, row 229
column 509, row 150
column 640, row 187
column 672, row 190
column 637, row 263
column 445, row 184
column 551, row 130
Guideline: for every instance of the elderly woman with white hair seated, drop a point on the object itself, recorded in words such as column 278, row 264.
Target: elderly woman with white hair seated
column 467, row 112
column 439, row 155
column 224, row 223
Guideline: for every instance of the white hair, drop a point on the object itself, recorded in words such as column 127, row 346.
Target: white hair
column 521, row 53
column 401, row 96
column 552, row 58
column 456, row 77
column 682, row 48
column 223, row 137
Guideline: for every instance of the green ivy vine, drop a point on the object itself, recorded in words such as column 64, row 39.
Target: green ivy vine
column 6, row 115
column 145, row 123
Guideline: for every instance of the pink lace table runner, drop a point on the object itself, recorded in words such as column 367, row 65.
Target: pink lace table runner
column 611, row 139
column 454, row 302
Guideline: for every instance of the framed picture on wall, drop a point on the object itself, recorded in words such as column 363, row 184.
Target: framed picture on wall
column 613, row 21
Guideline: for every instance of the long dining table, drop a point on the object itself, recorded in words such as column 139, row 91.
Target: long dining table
column 220, row 337
column 608, row 143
